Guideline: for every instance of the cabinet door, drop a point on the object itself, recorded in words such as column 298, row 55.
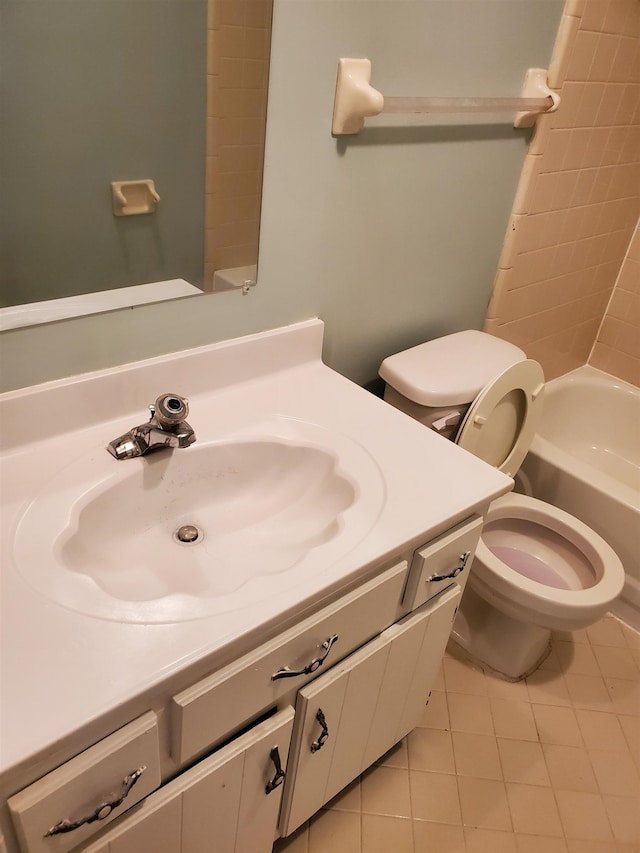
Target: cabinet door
column 348, row 718
column 219, row 806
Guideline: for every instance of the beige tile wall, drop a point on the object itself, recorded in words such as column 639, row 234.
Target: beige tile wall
column 617, row 348
column 239, row 38
column 578, row 198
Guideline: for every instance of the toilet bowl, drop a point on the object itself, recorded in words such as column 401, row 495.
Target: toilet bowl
column 536, row 569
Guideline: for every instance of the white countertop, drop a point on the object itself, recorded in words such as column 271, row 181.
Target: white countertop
column 61, row 669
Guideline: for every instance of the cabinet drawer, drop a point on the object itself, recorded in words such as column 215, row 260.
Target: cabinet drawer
column 228, row 802
column 442, row 562
column 89, row 790
column 211, row 709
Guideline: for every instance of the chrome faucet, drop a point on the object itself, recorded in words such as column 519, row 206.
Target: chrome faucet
column 167, row 427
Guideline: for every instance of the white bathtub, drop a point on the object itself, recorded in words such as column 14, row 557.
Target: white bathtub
column 585, row 459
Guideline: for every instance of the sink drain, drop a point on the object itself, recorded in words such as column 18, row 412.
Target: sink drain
column 188, row 534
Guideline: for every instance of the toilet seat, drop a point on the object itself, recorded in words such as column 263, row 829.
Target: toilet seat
column 539, row 603
column 502, row 420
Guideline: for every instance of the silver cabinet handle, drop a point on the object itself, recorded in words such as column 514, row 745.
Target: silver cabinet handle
column 462, row 564
column 315, row 664
column 100, row 812
column 324, row 734
column 279, row 776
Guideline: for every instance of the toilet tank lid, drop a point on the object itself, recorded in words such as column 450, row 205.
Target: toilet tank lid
column 449, row 371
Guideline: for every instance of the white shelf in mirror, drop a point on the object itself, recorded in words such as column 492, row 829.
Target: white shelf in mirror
column 34, row 313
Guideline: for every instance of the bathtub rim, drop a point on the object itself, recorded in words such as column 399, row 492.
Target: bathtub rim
column 591, row 476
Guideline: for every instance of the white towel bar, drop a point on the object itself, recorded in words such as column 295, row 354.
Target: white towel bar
column 356, row 99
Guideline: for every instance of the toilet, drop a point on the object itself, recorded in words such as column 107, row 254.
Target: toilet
column 536, row 569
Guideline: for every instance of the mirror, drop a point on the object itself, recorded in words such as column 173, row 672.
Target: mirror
column 98, row 91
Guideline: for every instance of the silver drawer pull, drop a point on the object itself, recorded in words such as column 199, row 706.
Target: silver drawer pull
column 279, row 776
column 100, row 812
column 319, row 743
column 315, row 664
column 464, row 558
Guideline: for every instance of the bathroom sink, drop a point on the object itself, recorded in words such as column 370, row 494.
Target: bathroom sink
column 187, row 533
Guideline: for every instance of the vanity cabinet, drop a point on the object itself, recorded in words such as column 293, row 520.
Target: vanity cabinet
column 353, row 714
column 254, row 749
column 227, row 802
column 209, row 710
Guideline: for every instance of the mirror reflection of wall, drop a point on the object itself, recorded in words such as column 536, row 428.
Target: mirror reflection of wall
column 96, row 91
column 239, row 37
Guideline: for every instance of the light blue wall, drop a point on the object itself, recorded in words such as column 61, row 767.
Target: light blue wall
column 392, row 237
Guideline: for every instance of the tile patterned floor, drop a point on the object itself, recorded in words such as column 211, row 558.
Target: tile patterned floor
column 550, row 765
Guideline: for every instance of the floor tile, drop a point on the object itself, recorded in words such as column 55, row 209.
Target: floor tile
column 442, row 838
column 461, row 677
column 631, row 728
column 499, row 688
column 577, row 658
column 476, row 755
column 557, row 725
column 607, row 632
column 533, row 810
column 549, row 688
column 632, row 638
column 523, row 761
column 625, row 821
column 625, row 695
column 383, row 834
column 469, row 713
column 588, row 691
column 616, row 773
column 550, row 663
column 338, row 832
column 601, row 731
column 570, row 636
column 616, row 662
column 483, row 803
column 583, row 816
column 513, row 719
column 569, row 768
column 434, row 796
column 540, row 844
column 583, row 846
column 385, row 791
column 489, row 841
column 431, row 749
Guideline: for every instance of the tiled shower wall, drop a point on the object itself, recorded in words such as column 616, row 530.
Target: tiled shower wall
column 578, row 201
column 617, row 348
column 239, row 37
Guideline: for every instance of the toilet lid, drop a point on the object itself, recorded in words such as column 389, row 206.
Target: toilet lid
column 501, row 422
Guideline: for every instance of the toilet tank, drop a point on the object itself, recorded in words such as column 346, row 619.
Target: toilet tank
column 437, row 381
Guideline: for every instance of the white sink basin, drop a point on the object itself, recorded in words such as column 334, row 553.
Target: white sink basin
column 257, row 504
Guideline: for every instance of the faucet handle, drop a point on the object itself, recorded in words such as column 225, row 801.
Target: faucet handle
column 170, row 410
